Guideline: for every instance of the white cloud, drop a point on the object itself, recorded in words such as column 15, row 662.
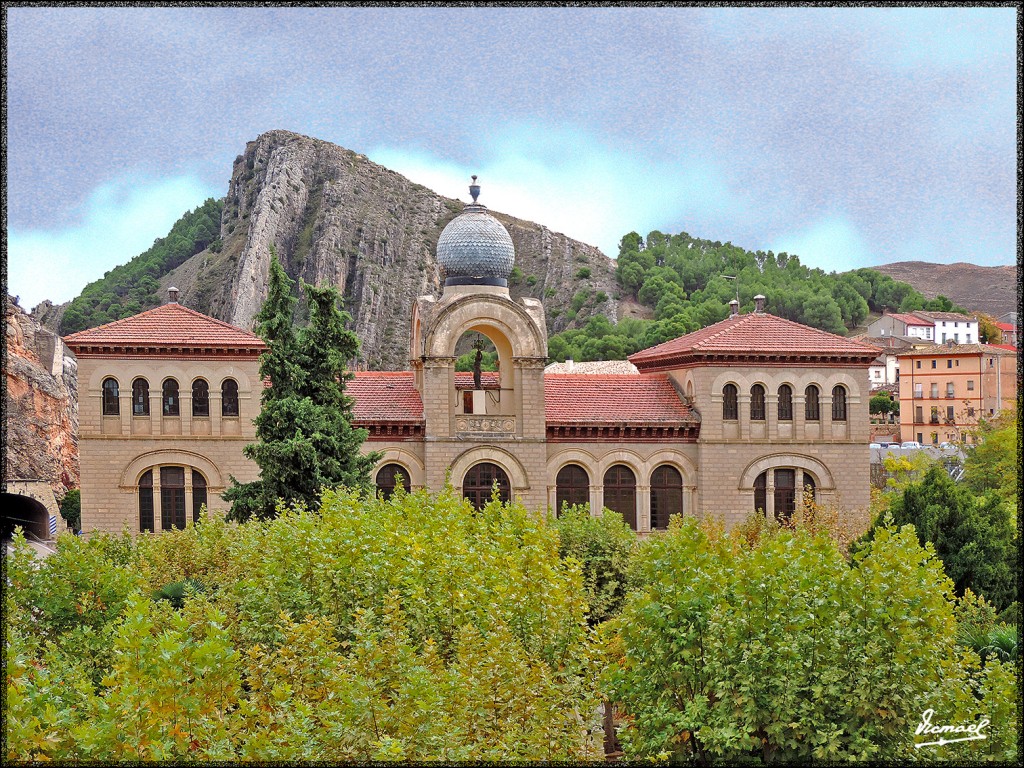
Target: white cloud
column 573, row 183
column 120, row 220
column 832, row 244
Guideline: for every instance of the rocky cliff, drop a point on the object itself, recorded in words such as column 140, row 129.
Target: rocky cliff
column 335, row 217
column 40, row 404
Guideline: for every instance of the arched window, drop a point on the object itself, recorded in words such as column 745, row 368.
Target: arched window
column 784, row 495
column 229, row 398
column 572, row 486
column 111, row 403
column 666, row 496
column 170, row 398
column 146, row 501
column 620, row 493
column 838, row 403
column 172, row 497
column 199, row 497
column 140, row 397
column 785, row 403
column 761, row 493
column 200, row 398
column 812, row 411
column 479, row 482
column 757, row 403
column 390, row 477
column 730, row 402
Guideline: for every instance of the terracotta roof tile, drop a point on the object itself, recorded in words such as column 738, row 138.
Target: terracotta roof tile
column 753, row 333
column 612, row 398
column 384, row 396
column 568, row 398
column 169, row 325
column 908, row 319
column 955, row 316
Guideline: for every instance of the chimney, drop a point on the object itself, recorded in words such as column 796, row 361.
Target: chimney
column 568, row 365
column 172, row 294
column 759, row 303
column 734, row 308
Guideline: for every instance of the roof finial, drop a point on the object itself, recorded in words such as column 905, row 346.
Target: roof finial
column 474, row 189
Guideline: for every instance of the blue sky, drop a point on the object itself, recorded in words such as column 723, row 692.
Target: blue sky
column 849, row 136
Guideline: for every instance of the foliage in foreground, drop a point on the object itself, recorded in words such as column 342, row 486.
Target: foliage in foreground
column 973, row 537
column 602, row 545
column 781, row 650
column 407, row 629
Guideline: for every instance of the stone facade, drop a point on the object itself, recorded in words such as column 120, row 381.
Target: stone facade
column 138, row 415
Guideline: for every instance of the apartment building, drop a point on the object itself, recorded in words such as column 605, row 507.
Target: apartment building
column 945, row 389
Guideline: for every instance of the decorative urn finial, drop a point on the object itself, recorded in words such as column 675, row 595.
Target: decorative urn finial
column 474, row 189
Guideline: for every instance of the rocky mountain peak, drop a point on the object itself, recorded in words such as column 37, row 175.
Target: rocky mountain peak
column 336, row 217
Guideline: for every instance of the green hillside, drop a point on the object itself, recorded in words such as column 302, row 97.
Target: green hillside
column 685, row 281
column 132, row 288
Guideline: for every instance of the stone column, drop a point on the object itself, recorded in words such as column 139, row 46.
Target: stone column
column 157, row 501
column 643, row 508
column 124, row 407
column 185, row 409
column 743, row 404
column 156, row 410
column 769, row 495
column 215, row 411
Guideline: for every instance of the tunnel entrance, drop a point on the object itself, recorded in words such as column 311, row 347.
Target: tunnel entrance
column 28, row 513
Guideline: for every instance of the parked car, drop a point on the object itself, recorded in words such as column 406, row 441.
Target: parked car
column 910, row 444
column 875, row 445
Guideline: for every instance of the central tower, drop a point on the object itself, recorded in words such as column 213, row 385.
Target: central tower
column 475, row 423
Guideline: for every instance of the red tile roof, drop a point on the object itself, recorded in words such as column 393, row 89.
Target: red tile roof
column 912, row 320
column 568, row 399
column 169, row 325
column 1006, row 326
column 571, row 398
column 755, row 333
column 385, row 396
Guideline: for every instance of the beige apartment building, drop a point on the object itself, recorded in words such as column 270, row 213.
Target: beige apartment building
column 740, row 416
column 946, row 388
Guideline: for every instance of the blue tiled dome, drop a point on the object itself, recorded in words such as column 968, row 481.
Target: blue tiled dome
column 475, row 246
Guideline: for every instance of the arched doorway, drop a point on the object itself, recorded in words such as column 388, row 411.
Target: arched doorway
column 481, row 479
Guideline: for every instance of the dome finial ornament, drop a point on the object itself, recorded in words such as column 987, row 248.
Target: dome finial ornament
column 475, row 248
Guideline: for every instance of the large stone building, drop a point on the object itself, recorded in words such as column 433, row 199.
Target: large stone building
column 739, row 416
column 167, row 400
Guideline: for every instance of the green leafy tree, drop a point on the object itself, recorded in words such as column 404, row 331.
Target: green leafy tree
column 71, row 508
column 603, row 546
column 306, row 442
column 992, row 463
column 972, row 536
column 782, row 651
column 880, row 404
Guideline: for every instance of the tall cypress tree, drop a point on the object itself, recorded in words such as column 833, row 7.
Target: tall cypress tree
column 306, row 442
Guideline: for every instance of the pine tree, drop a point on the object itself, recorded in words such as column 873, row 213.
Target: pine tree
column 306, row 442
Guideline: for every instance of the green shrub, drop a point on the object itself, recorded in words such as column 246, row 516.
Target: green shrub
column 603, row 546
column 782, row 651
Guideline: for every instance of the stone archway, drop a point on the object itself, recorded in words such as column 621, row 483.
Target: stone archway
column 31, row 505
